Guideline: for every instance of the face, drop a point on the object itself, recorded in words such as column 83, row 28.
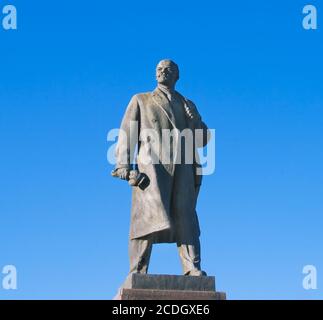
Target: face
column 166, row 73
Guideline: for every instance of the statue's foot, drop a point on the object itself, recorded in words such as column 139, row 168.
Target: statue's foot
column 196, row 273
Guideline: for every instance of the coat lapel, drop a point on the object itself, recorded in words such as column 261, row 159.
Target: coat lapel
column 162, row 102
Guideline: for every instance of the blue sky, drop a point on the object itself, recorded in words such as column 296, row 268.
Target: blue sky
column 66, row 77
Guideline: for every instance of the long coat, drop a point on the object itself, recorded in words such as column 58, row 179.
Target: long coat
column 151, row 207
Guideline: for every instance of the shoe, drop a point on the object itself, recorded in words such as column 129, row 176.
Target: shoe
column 196, row 273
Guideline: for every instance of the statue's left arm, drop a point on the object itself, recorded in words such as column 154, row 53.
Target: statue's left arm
column 198, row 124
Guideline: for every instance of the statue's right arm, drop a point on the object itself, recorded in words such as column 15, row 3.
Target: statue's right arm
column 128, row 138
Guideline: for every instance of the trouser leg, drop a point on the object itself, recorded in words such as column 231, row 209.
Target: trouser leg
column 139, row 254
column 190, row 255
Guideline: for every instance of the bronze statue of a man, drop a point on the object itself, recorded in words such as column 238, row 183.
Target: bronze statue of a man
column 164, row 193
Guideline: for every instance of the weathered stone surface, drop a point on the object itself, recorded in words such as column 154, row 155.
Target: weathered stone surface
column 169, row 282
column 148, row 294
column 168, row 287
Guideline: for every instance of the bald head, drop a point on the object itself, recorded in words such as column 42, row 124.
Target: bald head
column 167, row 72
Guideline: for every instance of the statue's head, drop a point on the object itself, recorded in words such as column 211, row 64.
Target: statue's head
column 167, row 72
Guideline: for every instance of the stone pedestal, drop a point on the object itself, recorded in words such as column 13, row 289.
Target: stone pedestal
column 168, row 287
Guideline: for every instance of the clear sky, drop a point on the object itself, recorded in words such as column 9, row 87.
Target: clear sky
column 66, row 76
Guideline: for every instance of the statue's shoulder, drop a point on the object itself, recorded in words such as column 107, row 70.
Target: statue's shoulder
column 142, row 97
column 143, row 94
column 188, row 101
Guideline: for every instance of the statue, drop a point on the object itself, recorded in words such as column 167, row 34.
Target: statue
column 165, row 191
